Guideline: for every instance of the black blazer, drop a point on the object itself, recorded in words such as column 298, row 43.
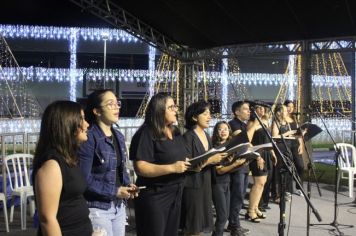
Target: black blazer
column 196, row 148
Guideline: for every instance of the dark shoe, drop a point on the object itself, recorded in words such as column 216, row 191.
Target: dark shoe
column 260, row 215
column 243, row 230
column 253, row 220
column 262, row 209
column 236, row 233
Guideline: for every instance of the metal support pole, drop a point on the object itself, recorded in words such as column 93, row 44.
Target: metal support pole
column 353, row 96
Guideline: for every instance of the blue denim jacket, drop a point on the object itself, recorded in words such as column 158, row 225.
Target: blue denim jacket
column 98, row 163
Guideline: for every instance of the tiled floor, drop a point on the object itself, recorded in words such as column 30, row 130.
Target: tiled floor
column 296, row 215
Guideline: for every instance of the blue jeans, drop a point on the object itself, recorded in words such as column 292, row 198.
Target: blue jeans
column 112, row 220
column 239, row 182
column 221, row 199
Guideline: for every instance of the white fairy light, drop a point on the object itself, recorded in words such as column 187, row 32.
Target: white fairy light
column 224, row 84
column 260, row 79
column 73, row 63
column 151, row 69
column 63, row 33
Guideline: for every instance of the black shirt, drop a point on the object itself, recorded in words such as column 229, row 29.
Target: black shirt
column 73, row 211
column 237, row 124
column 217, row 178
column 144, row 146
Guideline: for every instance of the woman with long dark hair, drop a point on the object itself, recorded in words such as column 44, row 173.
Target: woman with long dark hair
column 283, row 128
column 159, row 155
column 57, row 180
column 297, row 144
column 197, row 216
column 103, row 164
column 258, row 167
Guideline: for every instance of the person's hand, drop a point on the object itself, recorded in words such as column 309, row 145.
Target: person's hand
column 97, row 231
column 217, row 158
column 134, row 190
column 123, row 192
column 290, row 132
column 304, row 131
column 180, row 166
column 198, row 168
column 239, row 162
column 300, row 150
column 230, row 158
column 274, row 159
column 260, row 163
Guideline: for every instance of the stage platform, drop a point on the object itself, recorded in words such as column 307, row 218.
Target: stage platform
column 296, row 217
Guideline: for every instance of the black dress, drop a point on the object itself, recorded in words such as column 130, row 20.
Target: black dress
column 73, row 212
column 157, row 208
column 260, row 137
column 197, row 212
column 280, row 164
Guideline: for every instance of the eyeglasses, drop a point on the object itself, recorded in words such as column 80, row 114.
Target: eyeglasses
column 172, row 107
column 223, row 129
column 113, row 105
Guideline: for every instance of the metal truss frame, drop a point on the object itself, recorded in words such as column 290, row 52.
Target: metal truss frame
column 118, row 17
column 277, row 48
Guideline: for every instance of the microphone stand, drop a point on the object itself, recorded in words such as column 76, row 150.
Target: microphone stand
column 288, row 167
column 334, row 224
column 311, row 171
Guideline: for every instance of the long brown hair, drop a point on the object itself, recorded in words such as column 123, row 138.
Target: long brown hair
column 59, row 126
column 156, row 113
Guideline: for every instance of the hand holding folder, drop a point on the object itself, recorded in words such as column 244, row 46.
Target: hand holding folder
column 237, row 146
column 312, row 130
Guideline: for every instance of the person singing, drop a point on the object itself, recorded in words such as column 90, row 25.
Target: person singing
column 159, row 154
column 103, row 164
column 221, row 178
column 197, row 215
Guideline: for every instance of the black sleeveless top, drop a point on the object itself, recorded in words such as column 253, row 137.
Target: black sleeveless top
column 73, row 212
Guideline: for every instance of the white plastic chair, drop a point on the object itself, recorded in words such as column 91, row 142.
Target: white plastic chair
column 347, row 164
column 17, row 171
column 3, row 199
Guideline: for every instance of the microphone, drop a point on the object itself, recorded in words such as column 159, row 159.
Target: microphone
column 258, row 103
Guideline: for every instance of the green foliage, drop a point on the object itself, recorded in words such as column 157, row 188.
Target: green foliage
column 325, row 174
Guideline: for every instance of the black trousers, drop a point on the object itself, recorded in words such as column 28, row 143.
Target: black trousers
column 221, row 199
column 239, row 182
column 157, row 210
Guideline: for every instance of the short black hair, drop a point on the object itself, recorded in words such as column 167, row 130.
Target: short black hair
column 237, row 105
column 194, row 110
column 286, row 102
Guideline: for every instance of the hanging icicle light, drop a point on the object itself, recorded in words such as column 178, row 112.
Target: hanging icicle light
column 58, row 33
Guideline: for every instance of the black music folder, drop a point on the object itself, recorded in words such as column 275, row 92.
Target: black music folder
column 249, row 152
column 235, row 144
column 312, row 130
